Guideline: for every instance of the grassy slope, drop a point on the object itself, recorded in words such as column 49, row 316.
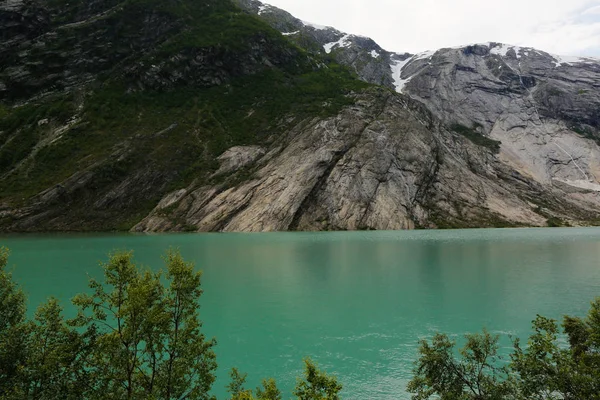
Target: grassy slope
column 116, row 133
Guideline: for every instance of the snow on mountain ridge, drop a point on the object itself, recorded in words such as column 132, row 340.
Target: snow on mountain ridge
column 343, row 42
column 396, row 67
column 263, row 8
column 502, row 50
column 376, row 65
column 317, row 26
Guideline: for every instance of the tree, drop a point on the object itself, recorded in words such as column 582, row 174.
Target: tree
column 236, row 386
column 269, row 390
column 548, row 370
column 316, row 384
column 14, row 330
column 147, row 337
column 54, row 368
column 190, row 361
column 478, row 373
column 584, row 339
column 545, row 369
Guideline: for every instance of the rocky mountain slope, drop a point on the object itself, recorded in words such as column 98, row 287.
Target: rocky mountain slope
column 500, row 91
column 108, row 105
column 206, row 115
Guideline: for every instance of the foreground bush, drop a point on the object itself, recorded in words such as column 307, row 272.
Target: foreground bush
column 137, row 335
column 315, row 385
column 547, row 368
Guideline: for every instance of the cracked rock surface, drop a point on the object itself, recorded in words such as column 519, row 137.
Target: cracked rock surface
column 385, row 163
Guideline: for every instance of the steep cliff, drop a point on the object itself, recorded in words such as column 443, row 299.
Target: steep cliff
column 384, row 163
column 544, row 109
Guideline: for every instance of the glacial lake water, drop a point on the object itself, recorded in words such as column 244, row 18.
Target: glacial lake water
column 356, row 302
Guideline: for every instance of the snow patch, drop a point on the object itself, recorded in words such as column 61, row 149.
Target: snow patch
column 374, row 54
column 501, row 51
column 517, row 50
column 263, row 8
column 590, row 60
column 560, row 60
column 289, row 33
column 570, row 60
column 424, row 55
column 396, row 67
column 316, row 26
column 343, row 42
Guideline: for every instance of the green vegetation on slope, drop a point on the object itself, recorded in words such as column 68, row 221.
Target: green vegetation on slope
column 199, row 123
column 136, row 133
column 476, row 137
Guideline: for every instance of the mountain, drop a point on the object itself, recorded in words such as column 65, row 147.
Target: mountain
column 210, row 115
column 108, row 105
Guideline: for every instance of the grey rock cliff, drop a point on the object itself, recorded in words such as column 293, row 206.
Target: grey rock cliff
column 385, row 163
column 542, row 108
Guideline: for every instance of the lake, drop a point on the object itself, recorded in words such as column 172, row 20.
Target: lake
column 357, row 302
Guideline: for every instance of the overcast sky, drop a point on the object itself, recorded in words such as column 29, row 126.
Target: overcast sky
column 564, row 27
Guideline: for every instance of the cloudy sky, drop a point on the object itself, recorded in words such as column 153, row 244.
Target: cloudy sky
column 565, row 27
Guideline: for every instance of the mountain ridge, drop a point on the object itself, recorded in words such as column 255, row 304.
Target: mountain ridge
column 202, row 116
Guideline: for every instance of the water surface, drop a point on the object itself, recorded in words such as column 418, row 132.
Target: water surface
column 356, row 302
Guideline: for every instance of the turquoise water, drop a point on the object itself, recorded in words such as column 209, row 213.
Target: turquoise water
column 356, row 302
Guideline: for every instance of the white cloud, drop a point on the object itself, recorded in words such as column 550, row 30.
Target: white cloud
column 592, row 11
column 557, row 26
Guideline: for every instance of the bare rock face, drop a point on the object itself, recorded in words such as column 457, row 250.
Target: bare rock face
column 481, row 83
column 541, row 111
column 238, row 157
column 385, row 163
column 542, row 108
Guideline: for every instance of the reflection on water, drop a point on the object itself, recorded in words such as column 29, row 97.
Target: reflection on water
column 356, row 302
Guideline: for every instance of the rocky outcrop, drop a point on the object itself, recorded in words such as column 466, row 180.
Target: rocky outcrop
column 543, row 109
column 385, row 163
column 238, row 157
